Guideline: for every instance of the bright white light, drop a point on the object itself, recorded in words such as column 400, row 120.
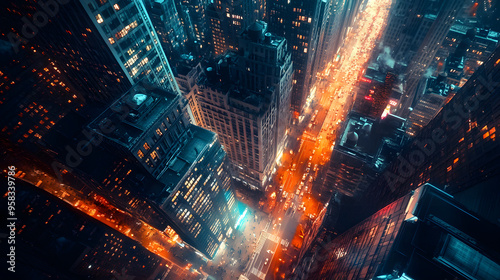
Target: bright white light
column 241, row 218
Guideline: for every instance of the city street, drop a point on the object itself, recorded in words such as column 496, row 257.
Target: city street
column 296, row 198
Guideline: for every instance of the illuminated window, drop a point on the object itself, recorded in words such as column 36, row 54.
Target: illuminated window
column 125, row 30
column 99, row 18
column 146, row 146
column 111, row 40
column 116, row 7
column 140, row 154
column 154, row 155
column 158, row 131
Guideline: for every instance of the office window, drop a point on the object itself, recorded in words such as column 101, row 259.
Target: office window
column 140, row 154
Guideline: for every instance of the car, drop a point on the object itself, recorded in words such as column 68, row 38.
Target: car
column 267, row 260
column 308, row 169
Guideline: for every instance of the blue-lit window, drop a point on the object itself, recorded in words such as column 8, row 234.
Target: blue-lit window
column 467, row 261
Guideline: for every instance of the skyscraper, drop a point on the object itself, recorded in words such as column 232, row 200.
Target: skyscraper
column 194, row 17
column 457, row 150
column 56, row 240
column 185, row 184
column 298, row 21
column 338, row 18
column 425, row 234
column 265, row 62
column 251, row 113
column 374, row 90
column 435, row 24
column 103, row 51
column 436, row 93
column 362, row 151
column 166, row 21
column 228, row 18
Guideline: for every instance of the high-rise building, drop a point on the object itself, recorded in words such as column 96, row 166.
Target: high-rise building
column 228, row 18
column 425, row 234
column 338, row 18
column 167, row 171
column 397, row 21
column 362, row 151
column 298, row 21
column 264, row 62
column 420, row 46
column 168, row 26
column 251, row 114
column 466, row 47
column 456, row 150
column 436, row 93
column 36, row 95
column 54, row 240
column 189, row 75
column 194, row 18
column 103, row 51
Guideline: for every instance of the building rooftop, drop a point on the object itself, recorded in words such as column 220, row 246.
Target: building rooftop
column 373, row 73
column 371, row 140
column 257, row 33
column 133, row 114
column 462, row 28
column 439, row 86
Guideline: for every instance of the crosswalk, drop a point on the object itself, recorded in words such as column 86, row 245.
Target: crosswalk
column 262, row 239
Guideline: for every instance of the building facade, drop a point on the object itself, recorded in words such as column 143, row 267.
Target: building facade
column 168, row 26
column 428, row 34
column 425, row 234
column 56, row 240
column 185, row 184
column 457, row 150
column 228, row 18
column 437, row 93
column 251, row 113
column 299, row 23
column 363, row 150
